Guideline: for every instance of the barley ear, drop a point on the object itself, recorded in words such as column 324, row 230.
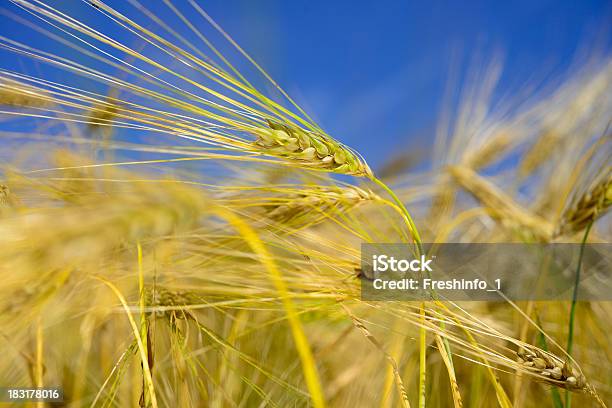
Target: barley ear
column 311, row 148
column 588, row 206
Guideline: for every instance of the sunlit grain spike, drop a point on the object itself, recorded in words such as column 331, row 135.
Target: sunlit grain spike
column 589, row 205
column 316, row 149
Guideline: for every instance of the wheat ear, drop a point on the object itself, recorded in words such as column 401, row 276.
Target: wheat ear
column 344, row 198
column 313, row 148
column 588, row 206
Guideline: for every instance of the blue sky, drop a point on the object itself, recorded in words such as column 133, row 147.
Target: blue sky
column 373, row 73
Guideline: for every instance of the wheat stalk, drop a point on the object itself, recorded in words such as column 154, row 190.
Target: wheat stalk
column 78, row 222
column 500, row 205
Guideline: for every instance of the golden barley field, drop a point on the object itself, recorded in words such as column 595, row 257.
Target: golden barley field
column 176, row 231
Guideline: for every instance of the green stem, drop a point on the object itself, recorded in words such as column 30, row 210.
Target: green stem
column 400, row 204
column 570, row 335
column 422, row 332
column 422, row 360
